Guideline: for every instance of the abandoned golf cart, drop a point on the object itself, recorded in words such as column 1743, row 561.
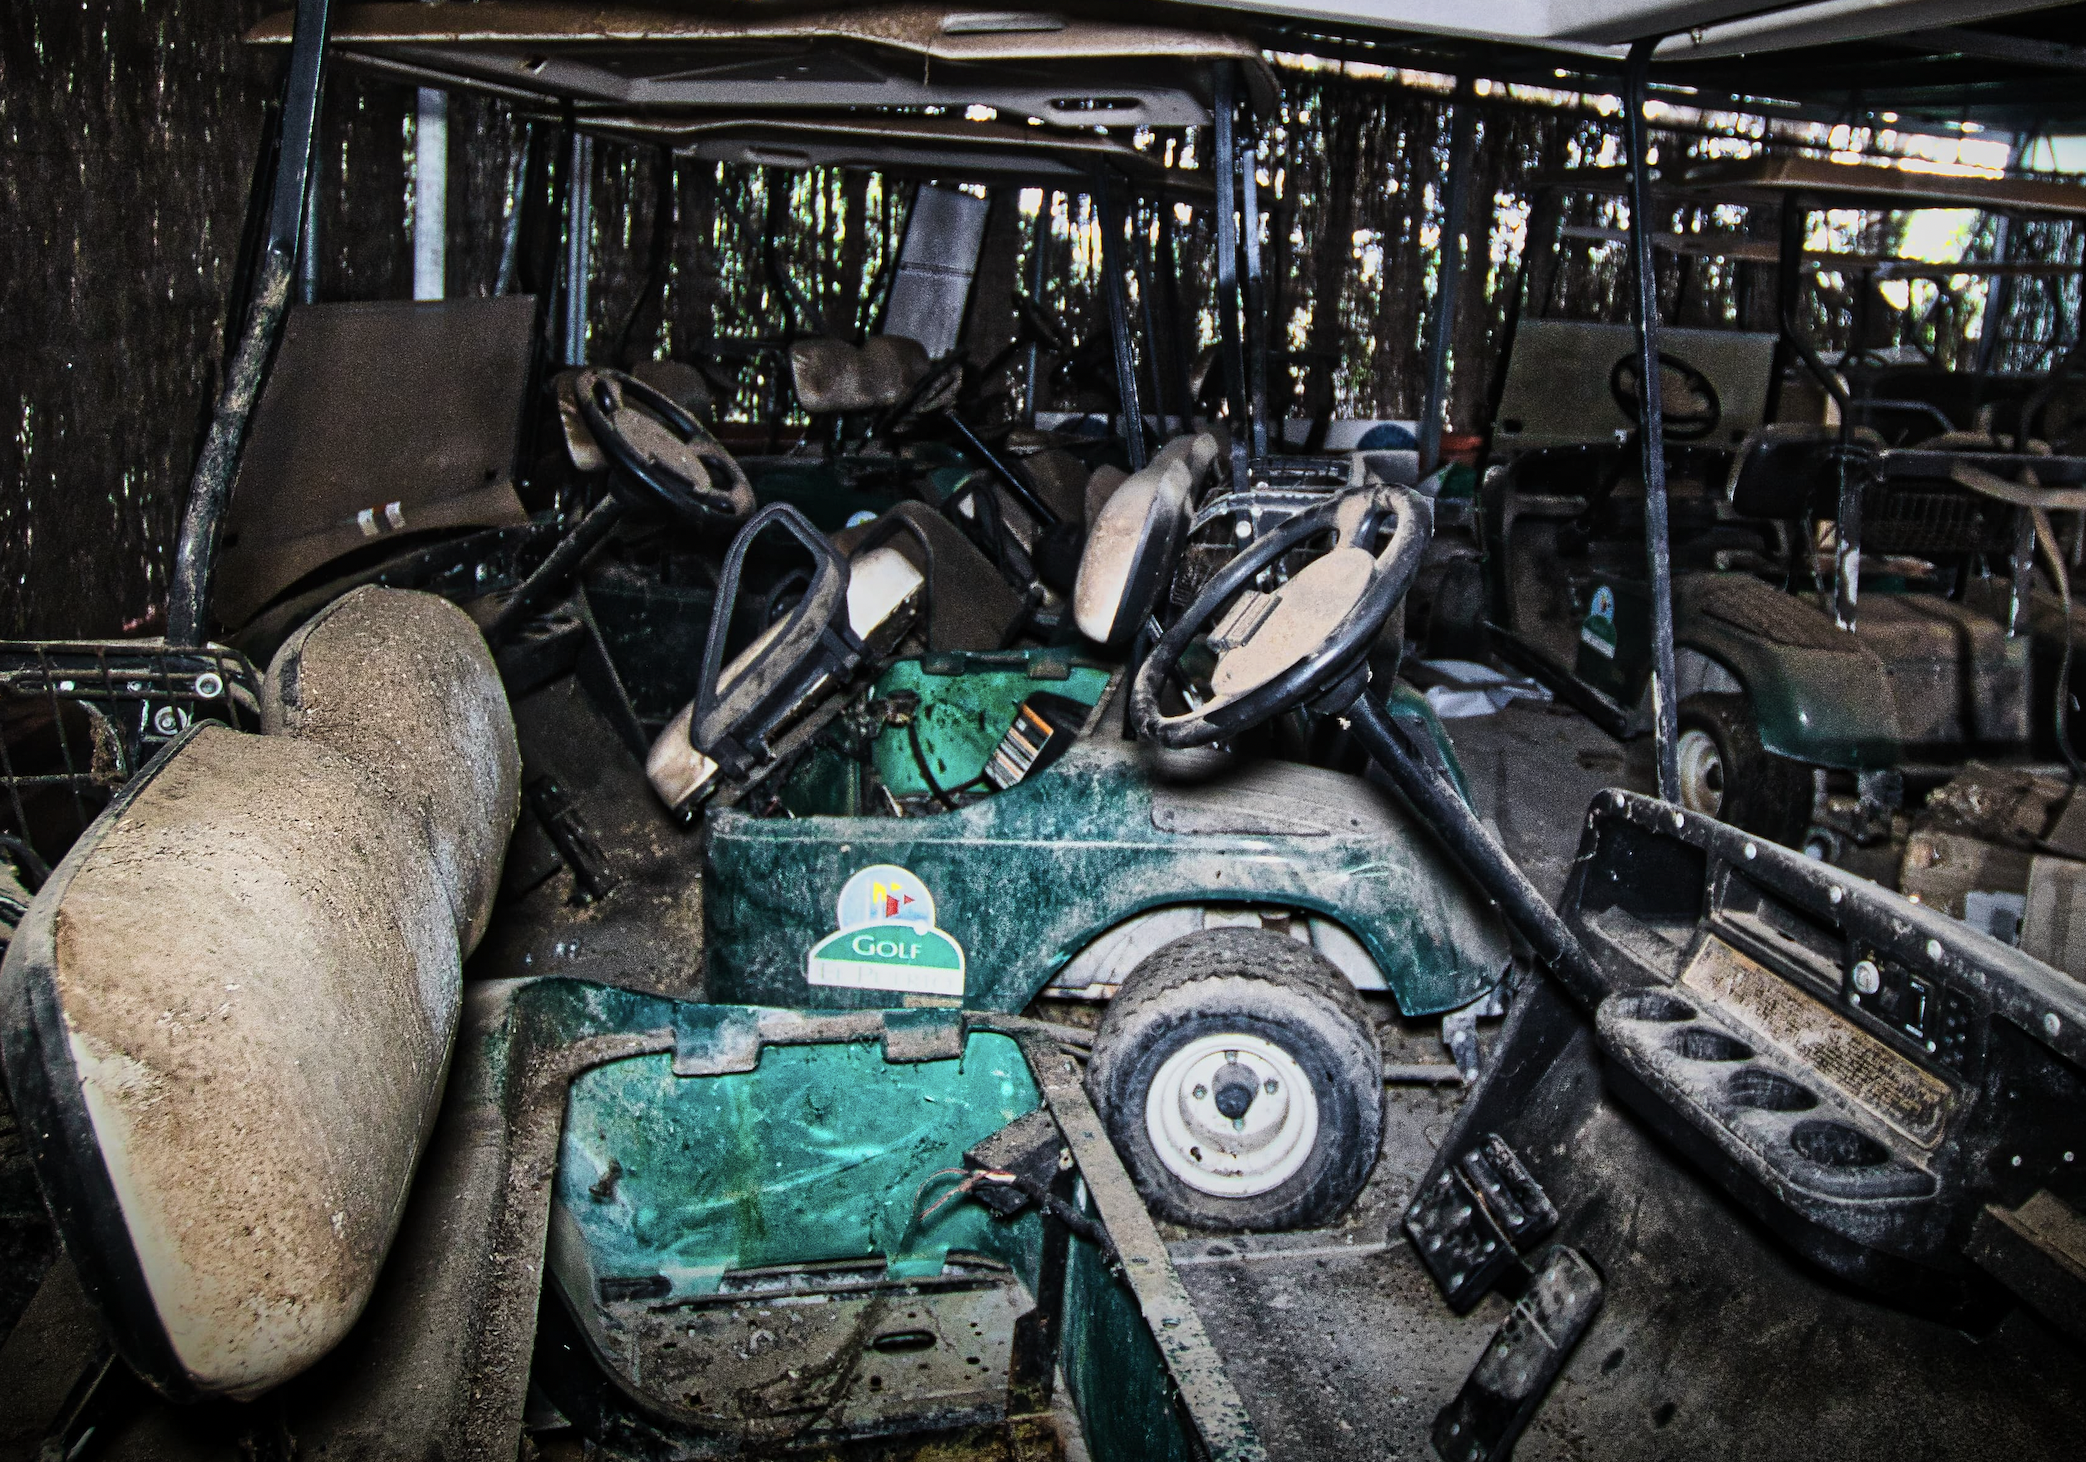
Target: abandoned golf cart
column 579, row 996
column 1856, row 603
column 909, row 1172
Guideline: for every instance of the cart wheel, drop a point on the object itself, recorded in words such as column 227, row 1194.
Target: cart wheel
column 1727, row 774
column 1240, row 1079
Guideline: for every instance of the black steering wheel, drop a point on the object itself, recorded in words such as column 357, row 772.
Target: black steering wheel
column 659, row 453
column 1305, row 643
column 1690, row 421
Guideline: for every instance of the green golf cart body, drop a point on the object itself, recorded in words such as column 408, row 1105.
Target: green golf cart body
column 1028, row 879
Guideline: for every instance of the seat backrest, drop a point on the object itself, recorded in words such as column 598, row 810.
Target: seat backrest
column 227, row 1015
column 936, row 262
column 1783, row 471
column 970, row 605
column 1134, row 540
column 923, row 314
column 1101, row 485
column 402, row 685
column 737, row 730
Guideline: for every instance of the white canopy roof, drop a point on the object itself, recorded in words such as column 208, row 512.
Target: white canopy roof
column 1694, row 28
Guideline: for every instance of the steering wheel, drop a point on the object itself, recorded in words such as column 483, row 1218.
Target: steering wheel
column 659, row 453
column 1306, row 643
column 1690, row 423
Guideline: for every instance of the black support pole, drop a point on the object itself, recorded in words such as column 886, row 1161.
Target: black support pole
column 1652, row 434
column 1226, row 164
column 1789, row 277
column 1256, row 303
column 1147, row 317
column 1119, row 319
column 1177, row 336
column 1032, row 377
column 1449, row 276
column 188, row 593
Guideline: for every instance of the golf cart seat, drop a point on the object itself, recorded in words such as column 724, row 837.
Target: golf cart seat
column 1786, row 470
column 833, row 376
column 1135, row 538
column 1789, row 473
column 922, row 315
column 229, row 1011
column 967, row 603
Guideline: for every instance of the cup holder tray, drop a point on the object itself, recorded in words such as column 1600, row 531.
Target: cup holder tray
column 1767, row 1111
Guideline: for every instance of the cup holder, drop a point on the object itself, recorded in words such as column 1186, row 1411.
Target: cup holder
column 1700, row 1043
column 1836, row 1145
column 1756, row 1087
column 1652, row 1005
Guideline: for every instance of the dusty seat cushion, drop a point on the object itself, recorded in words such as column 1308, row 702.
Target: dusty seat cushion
column 402, row 684
column 834, row 376
column 228, row 1012
column 226, row 1017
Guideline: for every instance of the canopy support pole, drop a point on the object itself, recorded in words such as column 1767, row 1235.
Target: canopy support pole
column 1226, row 164
column 1169, row 270
column 1449, row 275
column 1119, row 319
column 1652, row 434
column 1032, row 367
column 579, row 232
column 431, row 195
column 1256, row 303
column 210, row 490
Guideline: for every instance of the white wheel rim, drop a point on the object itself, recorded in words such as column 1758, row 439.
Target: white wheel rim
column 1226, row 1157
column 1702, row 773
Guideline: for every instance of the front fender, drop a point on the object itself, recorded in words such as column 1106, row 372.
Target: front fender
column 1830, row 706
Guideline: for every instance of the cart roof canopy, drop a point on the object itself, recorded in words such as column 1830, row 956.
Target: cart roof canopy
column 952, row 149
column 1924, row 65
column 621, row 58
column 1822, row 184
column 1691, row 28
column 1879, row 186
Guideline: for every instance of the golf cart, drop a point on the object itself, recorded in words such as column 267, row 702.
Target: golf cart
column 836, row 719
column 340, row 1199
column 1938, row 476
column 684, row 1213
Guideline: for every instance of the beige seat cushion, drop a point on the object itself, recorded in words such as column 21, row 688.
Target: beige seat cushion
column 1134, row 535
column 834, row 376
column 403, row 684
column 230, row 1008
column 970, row 605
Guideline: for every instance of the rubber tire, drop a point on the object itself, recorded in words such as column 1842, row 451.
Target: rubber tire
column 1261, row 983
column 1764, row 794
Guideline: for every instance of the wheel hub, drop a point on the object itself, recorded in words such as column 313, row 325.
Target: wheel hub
column 1232, row 1115
column 1236, row 1086
column 1701, row 773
